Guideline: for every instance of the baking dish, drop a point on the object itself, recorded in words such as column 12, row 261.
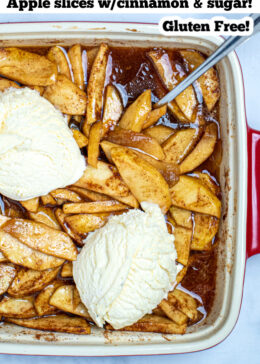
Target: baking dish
column 239, row 183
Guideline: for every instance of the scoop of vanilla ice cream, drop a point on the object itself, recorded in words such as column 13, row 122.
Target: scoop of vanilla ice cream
column 37, row 150
column 127, row 267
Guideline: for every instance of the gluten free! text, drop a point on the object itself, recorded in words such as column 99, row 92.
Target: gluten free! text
column 218, row 25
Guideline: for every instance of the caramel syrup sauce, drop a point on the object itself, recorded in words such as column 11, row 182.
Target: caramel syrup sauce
column 131, row 72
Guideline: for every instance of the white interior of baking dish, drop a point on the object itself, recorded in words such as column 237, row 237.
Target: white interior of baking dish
column 231, row 261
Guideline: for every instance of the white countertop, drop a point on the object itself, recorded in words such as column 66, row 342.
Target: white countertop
column 243, row 345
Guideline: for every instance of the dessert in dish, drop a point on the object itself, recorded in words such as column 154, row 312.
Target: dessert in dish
column 137, row 211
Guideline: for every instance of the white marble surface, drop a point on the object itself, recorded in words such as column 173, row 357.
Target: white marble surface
column 242, row 346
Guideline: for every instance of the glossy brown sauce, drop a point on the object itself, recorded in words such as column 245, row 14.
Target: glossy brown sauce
column 200, row 276
column 131, row 72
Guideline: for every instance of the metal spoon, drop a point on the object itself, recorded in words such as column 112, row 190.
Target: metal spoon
column 228, row 46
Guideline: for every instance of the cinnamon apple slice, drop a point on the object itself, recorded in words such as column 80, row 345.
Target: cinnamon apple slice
column 143, row 180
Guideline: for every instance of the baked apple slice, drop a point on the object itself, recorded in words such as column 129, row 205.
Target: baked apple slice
column 129, row 138
column 5, row 84
column 181, row 217
column 57, row 323
column 89, row 195
column 41, row 302
column 93, row 207
column 104, row 179
column 66, row 96
column 67, row 270
column 91, row 56
column 29, row 281
column 62, row 298
column 21, row 254
column 80, row 138
column 26, row 67
column 95, row 135
column 48, row 200
column 171, row 311
column 46, row 216
column 66, row 195
column 31, row 205
column 178, row 146
column 75, row 57
column 7, row 274
column 202, row 151
column 154, row 116
column 209, row 82
column 96, row 87
column 185, row 303
column 82, row 224
column 208, row 181
column 190, row 194
column 169, row 171
column 205, row 228
column 42, row 238
column 60, row 216
column 113, row 108
column 18, row 307
column 159, row 132
column 136, row 114
column 57, row 56
column 171, row 77
column 143, row 180
column 182, row 241
column 154, row 323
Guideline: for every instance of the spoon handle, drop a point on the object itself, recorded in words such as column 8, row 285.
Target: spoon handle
column 228, row 46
